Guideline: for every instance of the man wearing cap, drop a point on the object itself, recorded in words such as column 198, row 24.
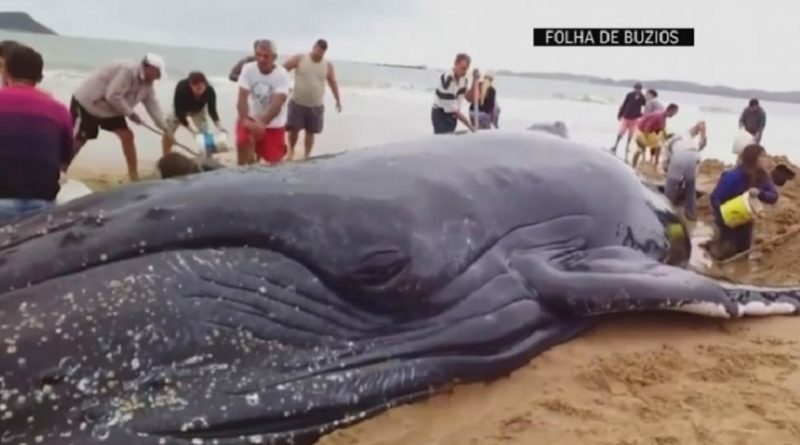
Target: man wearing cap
column 108, row 97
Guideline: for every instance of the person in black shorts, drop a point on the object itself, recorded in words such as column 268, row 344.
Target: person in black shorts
column 89, row 126
column 107, row 99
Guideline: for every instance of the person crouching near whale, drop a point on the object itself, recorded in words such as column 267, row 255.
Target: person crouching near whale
column 682, row 159
column 194, row 101
column 650, row 133
column 749, row 177
column 450, row 91
column 262, row 107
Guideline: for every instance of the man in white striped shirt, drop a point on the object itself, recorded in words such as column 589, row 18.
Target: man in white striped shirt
column 450, row 90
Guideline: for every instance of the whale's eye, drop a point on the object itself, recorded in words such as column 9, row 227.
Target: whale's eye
column 379, row 267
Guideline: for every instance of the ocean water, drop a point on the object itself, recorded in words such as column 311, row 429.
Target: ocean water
column 388, row 104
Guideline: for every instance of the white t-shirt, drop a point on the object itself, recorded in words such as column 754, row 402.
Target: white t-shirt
column 262, row 87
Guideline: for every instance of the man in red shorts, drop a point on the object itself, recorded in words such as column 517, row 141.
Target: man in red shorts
column 263, row 90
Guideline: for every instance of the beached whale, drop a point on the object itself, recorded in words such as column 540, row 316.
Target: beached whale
column 272, row 305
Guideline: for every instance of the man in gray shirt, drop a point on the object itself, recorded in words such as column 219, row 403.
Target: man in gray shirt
column 754, row 119
column 108, row 97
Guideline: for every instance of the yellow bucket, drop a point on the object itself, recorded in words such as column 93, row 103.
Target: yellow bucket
column 649, row 140
column 737, row 211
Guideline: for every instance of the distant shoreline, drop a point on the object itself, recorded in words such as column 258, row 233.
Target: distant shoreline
column 679, row 86
column 22, row 22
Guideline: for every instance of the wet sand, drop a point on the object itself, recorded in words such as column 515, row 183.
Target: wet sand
column 637, row 379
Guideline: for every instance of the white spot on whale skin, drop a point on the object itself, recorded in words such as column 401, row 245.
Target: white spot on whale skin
column 702, row 308
column 253, row 399
column 760, row 308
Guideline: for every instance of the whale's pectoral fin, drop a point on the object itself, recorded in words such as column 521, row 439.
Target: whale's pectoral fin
column 619, row 279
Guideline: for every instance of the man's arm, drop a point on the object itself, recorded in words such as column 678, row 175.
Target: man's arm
column 768, row 193
column 274, row 107
column 115, row 92
column 334, row 86
column 279, row 96
column 741, row 118
column 464, row 120
column 179, row 104
column 66, row 141
column 154, row 110
column 242, row 106
column 236, row 71
column 473, row 90
column 623, row 105
column 212, row 106
column 293, row 62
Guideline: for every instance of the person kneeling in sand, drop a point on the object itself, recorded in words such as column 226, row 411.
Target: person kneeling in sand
column 682, row 159
column 750, row 177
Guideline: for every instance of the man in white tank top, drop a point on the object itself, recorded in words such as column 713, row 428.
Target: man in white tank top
column 307, row 104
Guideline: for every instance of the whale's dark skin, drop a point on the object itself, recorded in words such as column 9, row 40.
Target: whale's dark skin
column 274, row 305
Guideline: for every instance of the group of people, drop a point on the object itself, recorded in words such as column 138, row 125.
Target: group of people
column 267, row 107
column 644, row 119
column 53, row 134
column 453, row 88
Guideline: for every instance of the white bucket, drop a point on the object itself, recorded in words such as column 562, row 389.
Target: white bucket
column 743, row 139
column 211, row 143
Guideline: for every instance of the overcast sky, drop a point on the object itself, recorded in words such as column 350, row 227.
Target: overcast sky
column 737, row 43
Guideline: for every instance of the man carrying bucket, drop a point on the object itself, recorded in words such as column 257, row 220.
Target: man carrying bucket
column 731, row 202
column 650, row 133
column 194, row 100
